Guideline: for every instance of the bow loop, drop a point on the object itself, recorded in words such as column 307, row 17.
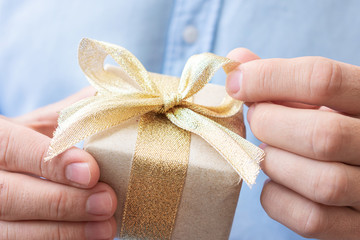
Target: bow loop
column 92, row 54
column 199, row 70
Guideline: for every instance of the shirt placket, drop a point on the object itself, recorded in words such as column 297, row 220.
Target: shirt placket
column 191, row 31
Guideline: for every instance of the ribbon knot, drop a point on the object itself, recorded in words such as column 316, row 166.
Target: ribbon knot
column 170, row 100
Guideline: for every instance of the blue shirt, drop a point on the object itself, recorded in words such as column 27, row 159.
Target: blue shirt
column 39, row 40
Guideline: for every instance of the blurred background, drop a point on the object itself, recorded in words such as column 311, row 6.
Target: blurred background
column 39, row 41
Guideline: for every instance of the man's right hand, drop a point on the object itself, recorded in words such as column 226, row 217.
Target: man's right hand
column 68, row 204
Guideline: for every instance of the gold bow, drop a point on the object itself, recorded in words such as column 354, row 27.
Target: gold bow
column 134, row 93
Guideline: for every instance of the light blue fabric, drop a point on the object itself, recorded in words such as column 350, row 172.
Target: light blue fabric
column 39, row 40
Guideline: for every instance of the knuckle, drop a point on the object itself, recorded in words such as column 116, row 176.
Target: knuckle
column 261, row 75
column 327, row 137
column 45, row 169
column 64, row 232
column 4, row 230
column 331, row 185
column 4, row 198
column 37, row 154
column 59, row 205
column 5, row 139
column 266, row 73
column 55, row 232
column 313, row 222
column 325, row 78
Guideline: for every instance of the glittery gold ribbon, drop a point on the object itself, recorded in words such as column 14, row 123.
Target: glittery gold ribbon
column 136, row 92
column 157, row 179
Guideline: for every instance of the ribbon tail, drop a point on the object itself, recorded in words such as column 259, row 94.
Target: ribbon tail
column 94, row 115
column 242, row 155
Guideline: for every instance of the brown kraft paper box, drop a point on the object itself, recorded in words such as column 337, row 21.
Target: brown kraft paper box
column 211, row 188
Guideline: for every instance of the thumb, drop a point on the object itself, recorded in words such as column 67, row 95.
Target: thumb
column 244, row 55
column 240, row 55
column 23, row 150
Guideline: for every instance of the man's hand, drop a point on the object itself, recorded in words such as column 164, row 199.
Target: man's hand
column 306, row 110
column 70, row 203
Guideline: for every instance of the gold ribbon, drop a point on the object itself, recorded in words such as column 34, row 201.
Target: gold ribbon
column 136, row 92
column 157, row 179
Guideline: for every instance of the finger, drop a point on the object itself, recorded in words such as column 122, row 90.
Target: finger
column 315, row 134
column 23, row 150
column 44, row 120
column 307, row 218
column 45, row 230
column 312, row 80
column 328, row 183
column 295, row 105
column 245, row 55
column 291, row 104
column 24, row 197
column 242, row 55
column 4, row 118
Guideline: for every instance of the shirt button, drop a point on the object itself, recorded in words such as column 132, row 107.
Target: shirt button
column 190, row 34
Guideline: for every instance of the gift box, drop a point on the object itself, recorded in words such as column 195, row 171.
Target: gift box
column 173, row 149
column 211, row 188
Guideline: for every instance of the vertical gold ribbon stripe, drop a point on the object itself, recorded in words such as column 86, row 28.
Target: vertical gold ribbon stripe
column 157, row 177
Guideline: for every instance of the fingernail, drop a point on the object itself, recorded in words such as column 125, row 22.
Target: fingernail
column 250, row 112
column 98, row 230
column 263, row 146
column 234, row 81
column 99, row 204
column 78, row 173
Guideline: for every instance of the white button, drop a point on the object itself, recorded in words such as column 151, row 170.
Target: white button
column 190, row 34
